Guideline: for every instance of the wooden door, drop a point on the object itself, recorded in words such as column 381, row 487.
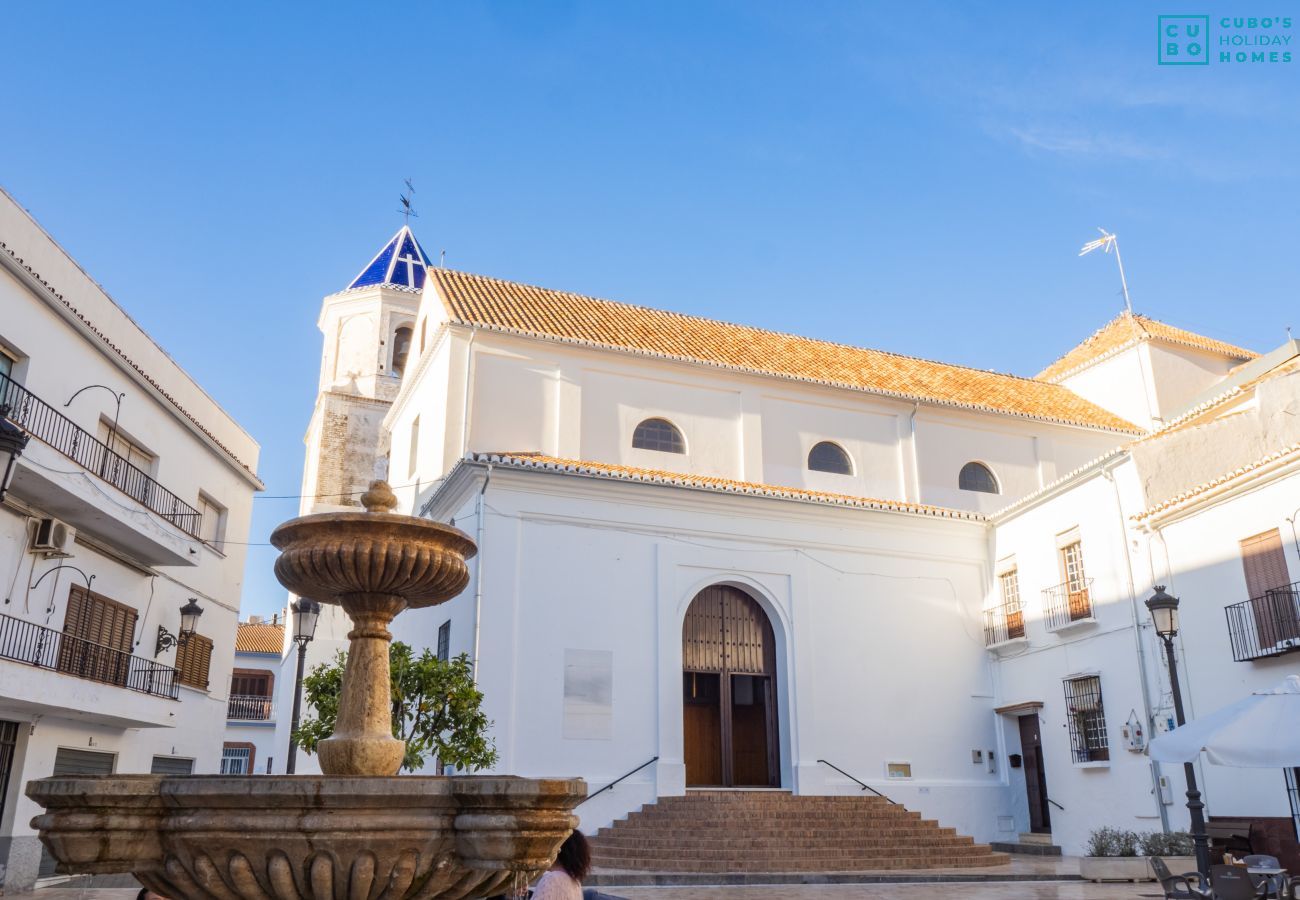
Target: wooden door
column 1031, row 750
column 728, row 692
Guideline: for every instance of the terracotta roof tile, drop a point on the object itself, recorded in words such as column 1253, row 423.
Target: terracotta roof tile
column 1128, row 329
column 522, row 309
column 260, row 638
column 711, row 483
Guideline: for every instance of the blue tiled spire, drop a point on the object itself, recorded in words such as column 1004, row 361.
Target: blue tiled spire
column 401, row 262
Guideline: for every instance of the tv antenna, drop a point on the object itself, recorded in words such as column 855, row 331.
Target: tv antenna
column 1105, row 243
column 407, row 199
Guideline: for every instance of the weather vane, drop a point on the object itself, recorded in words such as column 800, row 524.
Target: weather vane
column 407, row 209
column 1104, row 243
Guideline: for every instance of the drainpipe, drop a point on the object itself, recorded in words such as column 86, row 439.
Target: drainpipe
column 916, row 461
column 478, row 570
column 1109, row 475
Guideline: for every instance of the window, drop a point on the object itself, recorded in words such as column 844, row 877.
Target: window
column 898, row 770
column 98, row 636
column 1292, row 793
column 658, row 434
column 237, row 759
column 133, row 453
column 212, row 522
column 444, row 641
column 1076, row 583
column 828, row 457
column 6, row 365
column 1087, row 719
column 401, row 348
column 415, row 447
column 1013, row 613
column 1265, row 563
column 250, row 683
column 977, row 477
column 193, row 658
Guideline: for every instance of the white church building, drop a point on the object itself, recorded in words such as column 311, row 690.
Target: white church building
column 726, row 557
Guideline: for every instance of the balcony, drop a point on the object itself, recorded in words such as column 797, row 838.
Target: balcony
column 44, row 648
column 1265, row 626
column 1004, row 623
column 44, row 422
column 1068, row 604
column 249, row 708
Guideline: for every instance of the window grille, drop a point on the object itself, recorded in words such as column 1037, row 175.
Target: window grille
column 444, row 641
column 977, row 477
column 829, row 457
column 236, row 760
column 658, row 434
column 1086, row 717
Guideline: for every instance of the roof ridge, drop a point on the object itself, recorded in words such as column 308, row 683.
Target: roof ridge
column 728, row 324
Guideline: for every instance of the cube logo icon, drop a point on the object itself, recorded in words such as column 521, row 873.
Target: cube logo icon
column 1184, row 40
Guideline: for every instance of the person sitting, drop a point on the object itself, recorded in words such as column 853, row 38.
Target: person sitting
column 564, row 880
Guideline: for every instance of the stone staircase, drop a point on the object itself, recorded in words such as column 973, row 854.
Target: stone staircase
column 775, row 831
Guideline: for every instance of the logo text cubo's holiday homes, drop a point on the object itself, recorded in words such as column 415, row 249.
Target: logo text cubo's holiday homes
column 1198, row 40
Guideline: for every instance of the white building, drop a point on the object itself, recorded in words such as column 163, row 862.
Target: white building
column 250, row 745
column 111, row 525
column 743, row 556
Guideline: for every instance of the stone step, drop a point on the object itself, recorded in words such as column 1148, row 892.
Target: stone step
column 810, row 864
column 777, row 835
column 776, row 843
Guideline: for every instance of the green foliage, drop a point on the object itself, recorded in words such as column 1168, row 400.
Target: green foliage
column 1120, row 842
column 1112, row 842
column 1176, row 843
column 437, row 709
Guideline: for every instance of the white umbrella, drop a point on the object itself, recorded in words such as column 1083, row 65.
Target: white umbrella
column 1262, row 731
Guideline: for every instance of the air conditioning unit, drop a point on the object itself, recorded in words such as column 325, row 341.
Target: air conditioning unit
column 54, row 536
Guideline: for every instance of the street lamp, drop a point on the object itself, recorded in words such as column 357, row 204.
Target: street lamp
column 306, row 613
column 190, row 613
column 1164, row 615
column 13, row 440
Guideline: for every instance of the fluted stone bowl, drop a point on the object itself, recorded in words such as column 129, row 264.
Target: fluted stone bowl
column 302, row 837
column 334, row 557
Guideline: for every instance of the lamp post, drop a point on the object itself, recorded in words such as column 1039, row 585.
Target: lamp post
column 117, row 399
column 1164, row 615
column 13, row 441
column 305, row 615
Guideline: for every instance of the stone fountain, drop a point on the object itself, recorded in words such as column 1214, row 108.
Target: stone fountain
column 360, row 831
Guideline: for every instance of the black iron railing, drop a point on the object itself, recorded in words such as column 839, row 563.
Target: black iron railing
column 45, row 648
column 858, row 781
column 624, row 776
column 46, row 423
column 248, row 707
column 1067, row 603
column 1004, row 623
column 1268, row 625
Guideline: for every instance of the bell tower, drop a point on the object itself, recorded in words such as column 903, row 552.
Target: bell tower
column 367, row 329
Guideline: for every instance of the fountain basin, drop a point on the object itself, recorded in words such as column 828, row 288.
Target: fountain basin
column 303, row 837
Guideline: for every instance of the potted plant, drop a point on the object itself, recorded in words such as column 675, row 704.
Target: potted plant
column 1116, row 854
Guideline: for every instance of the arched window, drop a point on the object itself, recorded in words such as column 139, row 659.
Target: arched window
column 401, row 348
column 977, row 477
column 658, row 434
column 828, row 457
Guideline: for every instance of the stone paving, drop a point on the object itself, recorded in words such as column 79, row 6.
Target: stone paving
column 1023, row 890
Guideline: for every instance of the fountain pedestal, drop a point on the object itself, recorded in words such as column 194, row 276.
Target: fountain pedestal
column 358, row 831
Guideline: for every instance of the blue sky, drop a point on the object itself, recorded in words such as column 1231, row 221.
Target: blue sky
column 911, row 176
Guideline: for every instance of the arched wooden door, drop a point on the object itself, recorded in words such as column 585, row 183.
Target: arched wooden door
column 729, row 692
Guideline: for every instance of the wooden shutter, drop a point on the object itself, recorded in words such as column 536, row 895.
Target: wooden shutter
column 102, row 631
column 1265, row 563
column 193, row 660
column 1277, row 614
